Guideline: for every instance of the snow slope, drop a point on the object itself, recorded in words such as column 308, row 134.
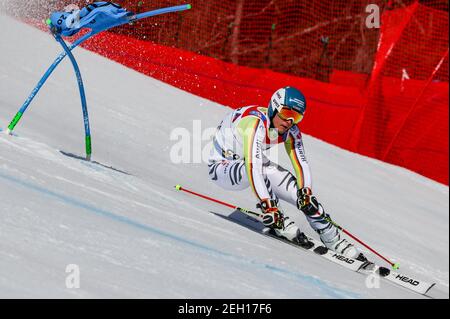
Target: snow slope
column 133, row 236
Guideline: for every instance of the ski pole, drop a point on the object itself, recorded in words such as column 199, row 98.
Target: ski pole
column 394, row 265
column 242, row 210
column 248, row 212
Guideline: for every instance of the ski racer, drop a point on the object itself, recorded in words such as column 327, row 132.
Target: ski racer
column 237, row 161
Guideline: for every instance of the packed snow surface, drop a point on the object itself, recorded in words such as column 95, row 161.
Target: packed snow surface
column 121, row 223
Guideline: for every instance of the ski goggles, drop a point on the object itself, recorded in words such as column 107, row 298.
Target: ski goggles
column 290, row 115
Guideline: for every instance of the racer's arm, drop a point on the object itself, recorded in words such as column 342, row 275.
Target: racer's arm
column 253, row 133
column 296, row 152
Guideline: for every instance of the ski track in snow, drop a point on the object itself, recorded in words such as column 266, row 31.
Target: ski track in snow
column 45, row 153
column 304, row 280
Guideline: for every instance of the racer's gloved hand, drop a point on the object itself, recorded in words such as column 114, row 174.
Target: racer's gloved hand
column 272, row 217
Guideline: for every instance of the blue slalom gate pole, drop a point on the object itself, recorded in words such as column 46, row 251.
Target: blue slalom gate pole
column 87, row 129
column 95, row 29
column 41, row 82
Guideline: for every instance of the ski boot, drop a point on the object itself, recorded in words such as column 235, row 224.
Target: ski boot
column 331, row 238
column 291, row 232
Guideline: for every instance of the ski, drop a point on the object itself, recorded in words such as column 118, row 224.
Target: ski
column 362, row 267
column 242, row 217
column 416, row 285
column 318, row 249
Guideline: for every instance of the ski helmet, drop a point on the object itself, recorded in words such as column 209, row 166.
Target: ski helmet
column 288, row 97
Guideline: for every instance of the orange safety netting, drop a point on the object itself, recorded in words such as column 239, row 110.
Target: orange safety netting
column 306, row 38
column 303, row 38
